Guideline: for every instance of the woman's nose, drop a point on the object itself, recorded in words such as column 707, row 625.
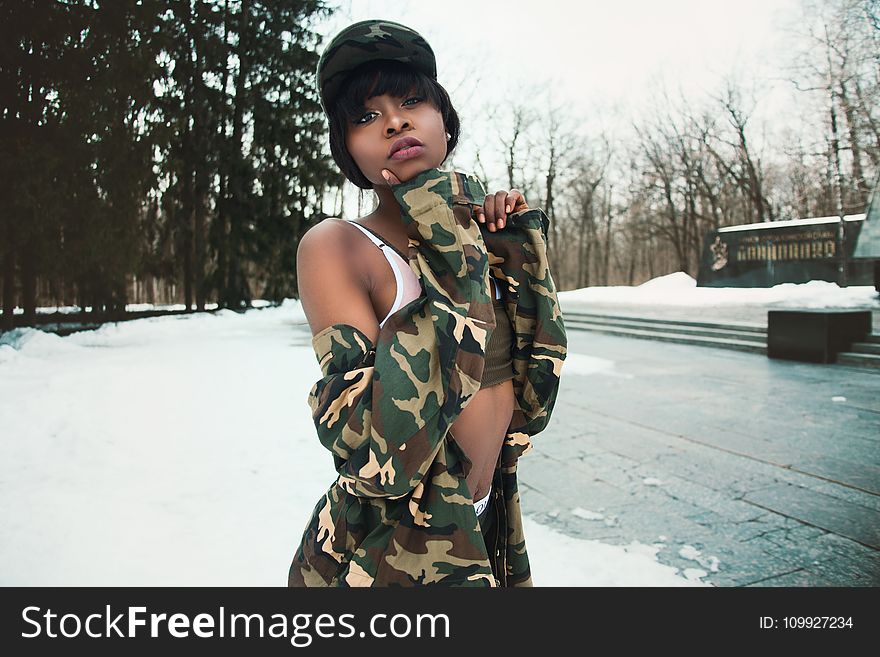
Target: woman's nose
column 396, row 124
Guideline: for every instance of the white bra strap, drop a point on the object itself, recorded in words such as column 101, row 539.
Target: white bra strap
column 375, row 240
column 390, row 254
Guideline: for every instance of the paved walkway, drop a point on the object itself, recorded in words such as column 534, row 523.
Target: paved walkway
column 757, row 471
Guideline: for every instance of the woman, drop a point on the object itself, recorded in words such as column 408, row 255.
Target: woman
column 391, row 126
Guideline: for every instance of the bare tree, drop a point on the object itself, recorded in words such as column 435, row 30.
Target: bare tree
column 512, row 131
column 838, row 58
column 590, row 168
column 748, row 173
column 642, row 208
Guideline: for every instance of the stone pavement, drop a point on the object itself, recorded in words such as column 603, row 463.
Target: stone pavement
column 758, row 471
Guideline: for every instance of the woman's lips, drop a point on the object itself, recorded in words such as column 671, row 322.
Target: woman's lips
column 408, row 153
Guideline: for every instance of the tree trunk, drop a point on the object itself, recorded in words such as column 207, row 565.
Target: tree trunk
column 633, row 256
column 607, row 211
column 188, row 263
column 852, row 129
column 8, row 289
column 29, row 285
column 235, row 282
column 581, row 251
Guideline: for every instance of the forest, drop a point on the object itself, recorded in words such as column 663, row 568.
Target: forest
column 157, row 151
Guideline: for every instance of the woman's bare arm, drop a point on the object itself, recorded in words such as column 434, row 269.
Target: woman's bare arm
column 330, row 289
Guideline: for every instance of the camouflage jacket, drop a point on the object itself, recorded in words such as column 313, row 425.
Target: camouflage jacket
column 400, row 513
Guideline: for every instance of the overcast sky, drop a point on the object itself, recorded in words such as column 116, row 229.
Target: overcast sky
column 588, row 48
column 602, row 60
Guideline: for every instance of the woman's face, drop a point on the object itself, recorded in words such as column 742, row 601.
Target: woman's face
column 386, row 120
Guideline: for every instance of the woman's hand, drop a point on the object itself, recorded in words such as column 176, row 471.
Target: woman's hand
column 497, row 206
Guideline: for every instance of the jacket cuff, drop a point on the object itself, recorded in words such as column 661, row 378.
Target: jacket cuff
column 432, row 188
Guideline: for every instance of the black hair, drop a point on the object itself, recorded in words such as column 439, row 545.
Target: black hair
column 375, row 78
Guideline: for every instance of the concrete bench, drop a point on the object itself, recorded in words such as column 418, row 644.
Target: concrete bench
column 815, row 335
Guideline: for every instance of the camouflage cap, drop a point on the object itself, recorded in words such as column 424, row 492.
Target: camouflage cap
column 364, row 42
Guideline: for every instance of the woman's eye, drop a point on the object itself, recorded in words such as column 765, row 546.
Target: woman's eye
column 365, row 118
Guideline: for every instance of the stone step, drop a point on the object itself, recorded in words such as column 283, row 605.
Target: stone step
column 680, row 338
column 749, row 327
column 685, row 328
column 859, row 360
column 740, row 336
column 865, row 348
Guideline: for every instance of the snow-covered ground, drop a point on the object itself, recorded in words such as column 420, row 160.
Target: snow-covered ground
column 680, row 289
column 131, row 307
column 180, row 451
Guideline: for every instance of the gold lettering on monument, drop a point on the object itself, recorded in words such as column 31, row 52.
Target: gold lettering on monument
column 812, row 245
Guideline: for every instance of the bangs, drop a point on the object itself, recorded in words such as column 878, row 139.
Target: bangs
column 378, row 77
column 375, row 78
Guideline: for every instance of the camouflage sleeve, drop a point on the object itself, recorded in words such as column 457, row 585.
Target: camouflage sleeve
column 519, row 257
column 384, row 409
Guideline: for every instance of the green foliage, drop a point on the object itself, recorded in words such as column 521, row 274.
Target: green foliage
column 178, row 139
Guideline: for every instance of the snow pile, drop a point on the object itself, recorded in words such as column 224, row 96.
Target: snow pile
column 36, row 343
column 680, row 289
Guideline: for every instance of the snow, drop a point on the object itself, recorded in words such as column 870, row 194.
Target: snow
column 814, row 221
column 130, row 307
column 587, row 514
column 162, row 451
column 585, row 365
column 680, row 289
column 557, row 559
column 692, row 553
column 180, row 450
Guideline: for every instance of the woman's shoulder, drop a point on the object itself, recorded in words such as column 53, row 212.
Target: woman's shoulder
column 330, row 279
column 327, row 224
column 349, row 241
column 331, row 244
column 329, row 236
